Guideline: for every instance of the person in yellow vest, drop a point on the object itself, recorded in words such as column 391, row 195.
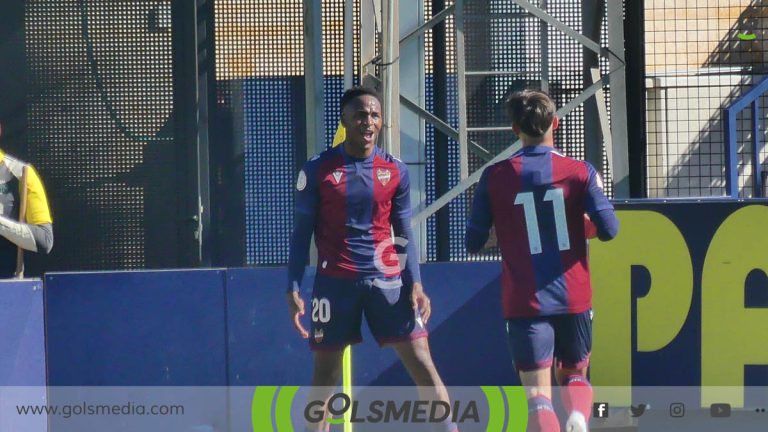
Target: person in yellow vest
column 25, row 218
column 340, row 136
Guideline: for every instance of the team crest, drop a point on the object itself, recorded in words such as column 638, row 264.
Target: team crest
column 383, row 175
column 337, row 175
column 319, row 335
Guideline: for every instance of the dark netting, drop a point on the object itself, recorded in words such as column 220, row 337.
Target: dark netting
column 718, row 52
column 100, row 130
column 260, row 83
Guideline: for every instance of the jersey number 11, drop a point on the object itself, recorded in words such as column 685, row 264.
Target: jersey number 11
column 526, row 199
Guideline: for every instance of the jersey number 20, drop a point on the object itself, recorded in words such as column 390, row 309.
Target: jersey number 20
column 321, row 310
column 526, row 199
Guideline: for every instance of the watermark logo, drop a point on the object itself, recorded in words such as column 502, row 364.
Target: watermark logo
column 287, row 408
column 385, row 260
column 390, row 411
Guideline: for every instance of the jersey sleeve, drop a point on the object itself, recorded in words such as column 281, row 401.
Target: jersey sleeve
column 401, row 225
column 480, row 219
column 305, row 209
column 38, row 212
column 594, row 198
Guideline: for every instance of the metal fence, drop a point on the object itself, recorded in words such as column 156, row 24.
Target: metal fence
column 700, row 57
column 101, row 120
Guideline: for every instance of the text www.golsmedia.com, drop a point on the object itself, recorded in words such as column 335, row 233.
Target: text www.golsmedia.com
column 85, row 409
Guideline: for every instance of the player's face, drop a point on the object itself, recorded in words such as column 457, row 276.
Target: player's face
column 362, row 121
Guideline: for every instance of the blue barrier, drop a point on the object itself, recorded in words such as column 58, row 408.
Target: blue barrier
column 264, row 348
column 22, row 362
column 136, row 328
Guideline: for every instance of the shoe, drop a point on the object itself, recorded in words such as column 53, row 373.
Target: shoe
column 576, row 423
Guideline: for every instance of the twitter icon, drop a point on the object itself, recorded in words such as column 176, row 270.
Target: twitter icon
column 637, row 411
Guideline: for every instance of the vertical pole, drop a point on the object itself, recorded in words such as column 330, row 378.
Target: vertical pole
column 390, row 73
column 619, row 140
column 206, row 89
column 186, row 123
column 440, row 92
column 349, row 49
column 369, row 22
column 544, row 36
column 731, row 171
column 591, row 15
column 313, row 77
column 462, row 87
column 637, row 140
column 756, row 150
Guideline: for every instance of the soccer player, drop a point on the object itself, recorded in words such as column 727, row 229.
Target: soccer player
column 353, row 197
column 537, row 200
column 27, row 229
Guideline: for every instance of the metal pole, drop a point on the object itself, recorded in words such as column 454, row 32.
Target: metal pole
column 591, row 16
column 462, row 87
column 636, row 131
column 369, row 23
column 544, row 32
column 187, row 134
column 731, row 168
column 390, row 74
column 349, row 48
column 313, row 77
column 757, row 146
column 619, row 131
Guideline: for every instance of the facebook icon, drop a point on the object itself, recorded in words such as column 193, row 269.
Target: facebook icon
column 600, row 410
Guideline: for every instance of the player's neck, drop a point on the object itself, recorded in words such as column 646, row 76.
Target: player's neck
column 544, row 143
column 548, row 140
column 357, row 151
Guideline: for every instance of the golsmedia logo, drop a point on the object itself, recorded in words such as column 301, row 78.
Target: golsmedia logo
column 494, row 409
column 380, row 411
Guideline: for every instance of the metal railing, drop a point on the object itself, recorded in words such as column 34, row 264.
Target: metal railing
column 752, row 97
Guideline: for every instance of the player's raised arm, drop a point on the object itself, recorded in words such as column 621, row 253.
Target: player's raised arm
column 597, row 206
column 480, row 220
column 303, row 226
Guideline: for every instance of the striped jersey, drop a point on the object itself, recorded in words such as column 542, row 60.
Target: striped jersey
column 355, row 206
column 536, row 200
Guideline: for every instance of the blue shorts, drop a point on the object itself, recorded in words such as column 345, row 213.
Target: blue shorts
column 535, row 341
column 338, row 306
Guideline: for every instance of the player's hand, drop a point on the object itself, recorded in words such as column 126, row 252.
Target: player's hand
column 421, row 302
column 296, row 308
column 590, row 230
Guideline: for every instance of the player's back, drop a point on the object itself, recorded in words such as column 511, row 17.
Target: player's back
column 538, row 198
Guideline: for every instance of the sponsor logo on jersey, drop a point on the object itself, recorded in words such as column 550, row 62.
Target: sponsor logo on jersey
column 319, row 335
column 337, row 175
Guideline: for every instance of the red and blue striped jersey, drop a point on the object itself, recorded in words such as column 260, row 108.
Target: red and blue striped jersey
column 537, row 199
column 354, row 206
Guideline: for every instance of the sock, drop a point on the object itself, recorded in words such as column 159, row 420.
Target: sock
column 541, row 415
column 576, row 393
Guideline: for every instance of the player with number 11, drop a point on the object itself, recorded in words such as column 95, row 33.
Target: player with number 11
column 544, row 206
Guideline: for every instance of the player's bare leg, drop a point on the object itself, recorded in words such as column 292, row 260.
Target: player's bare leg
column 325, row 378
column 577, row 397
column 417, row 359
column 538, row 391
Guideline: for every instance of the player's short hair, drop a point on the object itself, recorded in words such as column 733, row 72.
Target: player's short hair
column 356, row 92
column 532, row 110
